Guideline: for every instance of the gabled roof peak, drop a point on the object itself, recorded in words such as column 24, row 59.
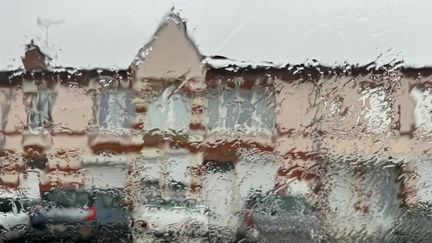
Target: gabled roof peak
column 170, row 54
column 174, row 17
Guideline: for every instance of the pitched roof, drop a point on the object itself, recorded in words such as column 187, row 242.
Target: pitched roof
column 170, row 54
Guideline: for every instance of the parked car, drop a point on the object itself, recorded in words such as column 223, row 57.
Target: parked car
column 272, row 217
column 62, row 214
column 81, row 215
column 64, row 207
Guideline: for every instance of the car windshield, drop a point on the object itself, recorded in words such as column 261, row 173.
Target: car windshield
column 109, row 199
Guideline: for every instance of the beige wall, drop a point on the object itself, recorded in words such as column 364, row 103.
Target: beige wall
column 15, row 120
column 170, row 55
column 72, row 111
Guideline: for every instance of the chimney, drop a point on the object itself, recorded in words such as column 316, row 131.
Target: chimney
column 34, row 59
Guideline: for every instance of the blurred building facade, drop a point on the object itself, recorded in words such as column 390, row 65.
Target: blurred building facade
column 354, row 140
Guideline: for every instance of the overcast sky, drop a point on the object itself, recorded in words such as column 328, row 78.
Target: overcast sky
column 108, row 33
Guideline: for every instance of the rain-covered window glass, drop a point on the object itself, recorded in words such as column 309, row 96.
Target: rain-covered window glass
column 150, row 192
column 423, row 194
column 377, row 109
column 366, row 187
column 110, row 211
column 254, row 164
column 68, row 198
column 39, row 115
column 250, row 110
column 382, row 183
column 8, row 205
column 423, row 109
column 176, row 180
column 149, row 176
column 13, row 216
column 5, row 206
column 170, row 109
column 96, row 174
column 219, row 193
column 176, row 190
column 281, row 213
column 306, row 121
column 109, row 199
column 115, row 109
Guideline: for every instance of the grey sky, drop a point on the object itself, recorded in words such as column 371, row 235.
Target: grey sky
column 108, row 33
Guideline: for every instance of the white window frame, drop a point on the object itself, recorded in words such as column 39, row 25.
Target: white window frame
column 260, row 113
column 40, row 108
column 118, row 119
column 170, row 109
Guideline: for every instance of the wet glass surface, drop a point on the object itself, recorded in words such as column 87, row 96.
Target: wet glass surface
column 178, row 147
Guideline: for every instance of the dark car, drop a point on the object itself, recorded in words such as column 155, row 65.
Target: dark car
column 93, row 215
column 63, row 214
